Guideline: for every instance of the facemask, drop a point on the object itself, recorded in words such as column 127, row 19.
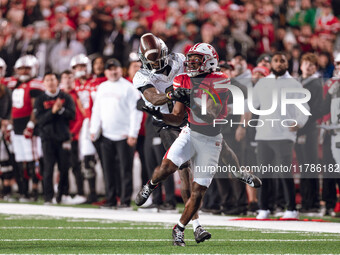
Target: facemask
column 24, row 78
column 79, row 74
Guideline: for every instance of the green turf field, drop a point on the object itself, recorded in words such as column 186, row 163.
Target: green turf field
column 41, row 234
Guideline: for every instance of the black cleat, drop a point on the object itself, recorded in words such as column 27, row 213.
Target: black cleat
column 201, row 234
column 178, row 236
column 144, row 194
column 250, row 179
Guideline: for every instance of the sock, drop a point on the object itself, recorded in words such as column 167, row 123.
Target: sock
column 152, row 185
column 92, row 185
column 6, row 190
column 195, row 224
column 180, row 226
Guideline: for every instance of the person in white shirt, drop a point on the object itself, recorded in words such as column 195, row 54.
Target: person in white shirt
column 276, row 132
column 115, row 116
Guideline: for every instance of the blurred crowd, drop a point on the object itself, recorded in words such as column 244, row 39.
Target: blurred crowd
column 55, row 31
column 244, row 33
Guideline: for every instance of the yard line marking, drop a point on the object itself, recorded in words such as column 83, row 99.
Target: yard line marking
column 165, row 240
column 161, row 228
column 108, row 228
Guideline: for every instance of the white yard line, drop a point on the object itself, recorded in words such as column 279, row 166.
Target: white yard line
column 165, row 240
column 116, row 215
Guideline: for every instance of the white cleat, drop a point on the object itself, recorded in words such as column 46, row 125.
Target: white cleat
column 263, row 214
column 294, row 215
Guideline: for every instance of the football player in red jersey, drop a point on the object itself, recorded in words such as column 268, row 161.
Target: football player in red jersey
column 26, row 144
column 81, row 66
column 201, row 142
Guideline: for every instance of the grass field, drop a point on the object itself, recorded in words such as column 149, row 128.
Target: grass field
column 46, row 235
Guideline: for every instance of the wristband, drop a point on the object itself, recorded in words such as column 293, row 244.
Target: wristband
column 30, row 124
column 169, row 95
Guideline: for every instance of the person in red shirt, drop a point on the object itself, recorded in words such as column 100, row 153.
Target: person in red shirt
column 81, row 67
column 26, row 144
column 67, row 85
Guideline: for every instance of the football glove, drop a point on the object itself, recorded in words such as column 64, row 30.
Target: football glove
column 153, row 111
column 28, row 131
column 7, row 133
column 181, row 95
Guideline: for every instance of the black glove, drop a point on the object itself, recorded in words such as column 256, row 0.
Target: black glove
column 153, row 111
column 181, row 95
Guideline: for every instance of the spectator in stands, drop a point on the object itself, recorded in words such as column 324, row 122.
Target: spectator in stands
column 241, row 73
column 294, row 61
column 63, row 51
column 326, row 66
column 43, row 47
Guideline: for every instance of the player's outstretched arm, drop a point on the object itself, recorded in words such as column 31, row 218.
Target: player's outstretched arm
column 176, row 117
column 151, row 94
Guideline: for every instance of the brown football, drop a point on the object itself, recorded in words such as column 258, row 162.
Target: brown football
column 150, row 47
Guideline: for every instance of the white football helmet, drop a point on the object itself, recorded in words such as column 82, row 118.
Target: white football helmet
column 209, row 61
column 3, row 66
column 27, row 61
column 81, row 59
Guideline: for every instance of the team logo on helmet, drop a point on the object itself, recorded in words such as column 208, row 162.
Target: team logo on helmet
column 209, row 62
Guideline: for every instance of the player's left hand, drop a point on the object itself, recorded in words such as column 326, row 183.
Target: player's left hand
column 181, row 95
column 153, row 111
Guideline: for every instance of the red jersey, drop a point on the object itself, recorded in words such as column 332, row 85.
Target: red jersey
column 213, row 85
column 22, row 95
column 84, row 94
column 22, row 107
column 328, row 24
column 77, row 122
column 87, row 93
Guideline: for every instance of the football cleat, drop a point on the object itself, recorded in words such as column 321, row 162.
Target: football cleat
column 144, row 194
column 250, row 179
column 201, row 234
column 178, row 236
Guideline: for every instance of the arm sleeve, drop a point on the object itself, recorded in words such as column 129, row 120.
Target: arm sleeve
column 136, row 116
column 142, row 89
column 78, row 121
